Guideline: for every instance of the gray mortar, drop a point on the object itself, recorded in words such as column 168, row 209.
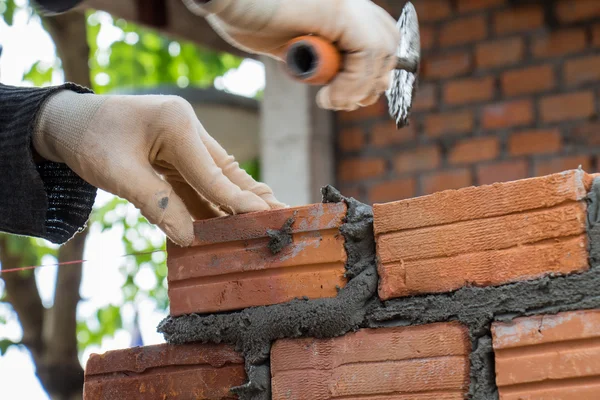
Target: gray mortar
column 357, row 306
column 281, row 238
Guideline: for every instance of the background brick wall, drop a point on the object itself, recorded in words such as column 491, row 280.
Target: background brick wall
column 508, row 90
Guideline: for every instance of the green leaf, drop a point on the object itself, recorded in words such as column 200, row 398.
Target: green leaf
column 39, row 75
column 5, row 344
column 8, row 8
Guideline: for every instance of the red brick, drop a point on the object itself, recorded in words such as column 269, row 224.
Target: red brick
column 582, row 70
column 453, row 122
column 552, row 356
column 534, row 142
column 454, row 179
column 507, row 114
column 433, row 10
column 379, row 109
column 386, row 133
column 555, row 165
column 351, row 139
column 359, row 169
column 427, row 34
column 596, row 35
column 474, row 150
column 386, row 363
column 587, row 134
column 559, row 43
column 469, row 90
column 229, row 265
column 352, row 191
column 446, row 65
column 528, row 80
column 425, row 98
column 419, row 159
column 475, row 5
column 568, row 106
column 392, row 190
column 504, row 171
column 519, row 19
column 481, row 202
column 199, row 371
column 568, row 11
column 463, row 30
column 499, row 53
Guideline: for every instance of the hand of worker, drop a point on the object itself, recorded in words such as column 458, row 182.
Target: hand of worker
column 363, row 31
column 152, row 151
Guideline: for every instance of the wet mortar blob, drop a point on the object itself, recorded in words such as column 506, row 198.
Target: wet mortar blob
column 357, row 306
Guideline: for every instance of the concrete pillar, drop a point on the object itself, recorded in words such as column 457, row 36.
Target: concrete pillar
column 297, row 151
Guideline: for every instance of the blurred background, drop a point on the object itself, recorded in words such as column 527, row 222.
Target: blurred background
column 509, row 89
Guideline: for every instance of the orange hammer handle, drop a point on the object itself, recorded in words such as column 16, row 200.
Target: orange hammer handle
column 312, row 59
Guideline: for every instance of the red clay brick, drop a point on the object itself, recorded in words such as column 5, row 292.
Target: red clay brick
column 463, row 30
column 446, row 65
column 379, row 109
column 555, row 165
column 392, row 190
column 474, row 5
column 484, row 268
column 559, row 43
column 433, row 10
column 419, row 159
column 481, row 202
column 587, row 134
column 386, row 133
column 425, row 98
column 503, row 171
column 386, row 363
column 359, row 169
column 528, row 80
column 534, row 142
column 440, row 181
column 199, row 371
column 428, row 34
column 568, row 11
column 596, row 35
column 548, row 356
column 229, row 265
column 474, row 150
column 469, row 90
column 351, row 139
column 568, row 106
column 582, row 70
column 519, row 19
column 507, row 114
column 454, row 122
column 499, row 53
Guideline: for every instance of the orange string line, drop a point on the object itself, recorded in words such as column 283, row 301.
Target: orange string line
column 11, row 270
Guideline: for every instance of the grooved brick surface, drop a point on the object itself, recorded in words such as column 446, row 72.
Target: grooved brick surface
column 229, row 265
column 549, row 356
column 192, row 371
column 482, row 235
column 418, row 362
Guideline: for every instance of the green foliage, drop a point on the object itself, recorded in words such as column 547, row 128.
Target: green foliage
column 29, row 251
column 5, row 344
column 40, row 74
column 7, row 11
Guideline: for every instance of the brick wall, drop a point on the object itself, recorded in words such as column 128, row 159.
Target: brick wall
column 508, row 90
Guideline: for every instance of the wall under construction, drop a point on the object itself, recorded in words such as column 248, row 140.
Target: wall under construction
column 484, row 292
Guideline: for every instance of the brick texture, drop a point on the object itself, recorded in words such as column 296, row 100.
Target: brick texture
column 229, row 266
column 548, row 356
column 191, row 371
column 482, row 235
column 509, row 70
column 418, row 362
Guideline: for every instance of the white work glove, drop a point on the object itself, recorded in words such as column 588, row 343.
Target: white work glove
column 152, row 151
column 363, row 31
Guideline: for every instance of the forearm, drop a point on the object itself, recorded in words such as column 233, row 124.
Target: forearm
column 41, row 199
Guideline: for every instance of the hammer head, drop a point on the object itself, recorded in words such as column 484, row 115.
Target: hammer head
column 404, row 80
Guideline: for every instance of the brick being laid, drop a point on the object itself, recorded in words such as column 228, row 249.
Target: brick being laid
column 230, row 265
column 483, row 236
column 190, row 371
column 427, row 362
column 548, row 356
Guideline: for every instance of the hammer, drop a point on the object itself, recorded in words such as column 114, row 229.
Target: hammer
column 316, row 61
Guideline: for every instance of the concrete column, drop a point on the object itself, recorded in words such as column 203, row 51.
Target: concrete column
column 297, row 151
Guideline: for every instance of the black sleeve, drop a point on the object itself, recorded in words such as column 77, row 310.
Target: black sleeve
column 46, row 200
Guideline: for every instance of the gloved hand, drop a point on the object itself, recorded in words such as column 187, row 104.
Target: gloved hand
column 366, row 33
column 126, row 144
